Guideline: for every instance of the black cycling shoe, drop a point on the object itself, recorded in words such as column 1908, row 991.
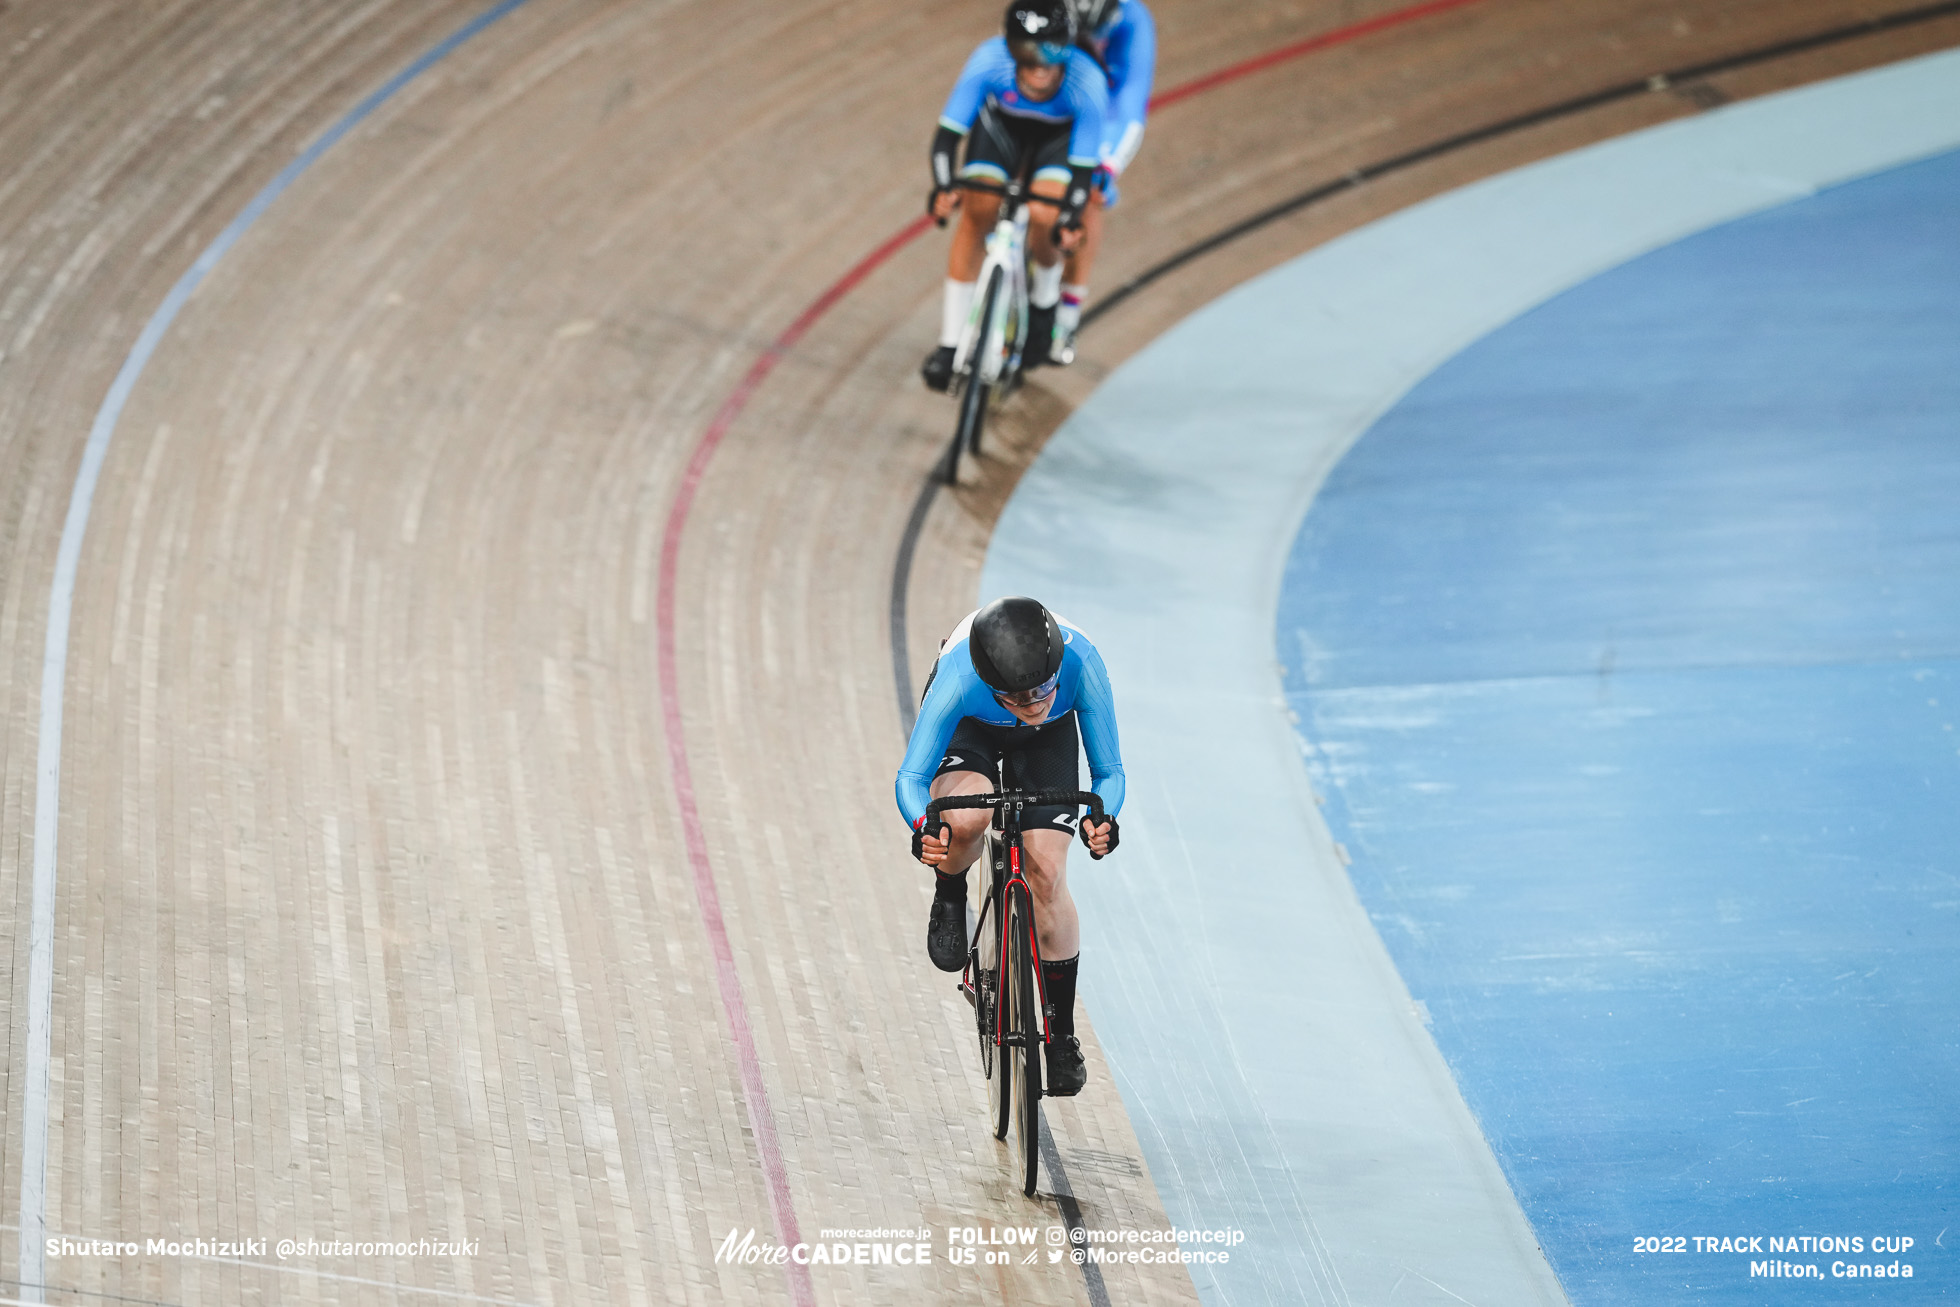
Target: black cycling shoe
column 946, row 934
column 1067, row 1072
column 1041, row 334
column 938, row 369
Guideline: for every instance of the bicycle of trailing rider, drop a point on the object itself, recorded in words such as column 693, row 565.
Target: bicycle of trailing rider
column 1002, row 979
column 987, row 360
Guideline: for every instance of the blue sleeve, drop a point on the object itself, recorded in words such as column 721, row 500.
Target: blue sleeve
column 939, row 717
column 970, row 91
column 1095, row 712
column 1088, row 97
column 1132, row 69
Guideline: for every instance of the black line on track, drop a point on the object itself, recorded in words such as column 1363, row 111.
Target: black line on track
column 1092, row 1276
column 915, row 524
column 908, row 545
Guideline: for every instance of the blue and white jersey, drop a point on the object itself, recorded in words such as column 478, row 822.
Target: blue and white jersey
column 1082, row 99
column 957, row 692
column 1127, row 45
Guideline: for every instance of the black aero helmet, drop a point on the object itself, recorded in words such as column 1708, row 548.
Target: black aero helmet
column 1040, row 31
column 1015, row 644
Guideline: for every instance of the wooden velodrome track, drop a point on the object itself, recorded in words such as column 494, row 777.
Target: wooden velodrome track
column 394, row 859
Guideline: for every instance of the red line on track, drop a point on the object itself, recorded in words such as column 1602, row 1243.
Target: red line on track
column 755, row 1092
column 1339, row 36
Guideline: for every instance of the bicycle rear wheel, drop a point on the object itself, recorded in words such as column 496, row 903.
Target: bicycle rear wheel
column 986, row 993
column 1027, row 1049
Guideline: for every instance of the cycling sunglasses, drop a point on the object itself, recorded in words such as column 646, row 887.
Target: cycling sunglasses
column 1028, row 698
column 1038, row 52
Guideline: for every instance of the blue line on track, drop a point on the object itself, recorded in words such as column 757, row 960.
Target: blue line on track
column 54, row 665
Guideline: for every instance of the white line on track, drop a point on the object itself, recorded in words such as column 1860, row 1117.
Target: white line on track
column 54, row 662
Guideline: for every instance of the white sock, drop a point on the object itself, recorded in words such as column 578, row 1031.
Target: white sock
column 1069, row 315
column 1045, row 285
column 953, row 308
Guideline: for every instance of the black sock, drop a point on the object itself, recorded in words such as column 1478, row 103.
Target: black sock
column 1058, row 980
column 950, row 887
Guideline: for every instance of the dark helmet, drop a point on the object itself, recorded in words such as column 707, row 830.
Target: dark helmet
column 1040, row 31
column 1090, row 15
column 1015, row 644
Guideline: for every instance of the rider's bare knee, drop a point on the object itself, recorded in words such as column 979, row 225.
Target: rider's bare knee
column 980, row 211
column 1044, row 882
column 967, row 823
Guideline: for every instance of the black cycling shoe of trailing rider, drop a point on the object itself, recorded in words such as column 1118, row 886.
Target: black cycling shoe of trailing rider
column 946, row 932
column 1067, row 1071
column 1041, row 334
column 938, row 369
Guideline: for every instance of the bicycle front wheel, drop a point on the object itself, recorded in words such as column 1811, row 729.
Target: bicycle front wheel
column 1027, row 1049
column 973, row 402
column 973, row 416
column 997, row 1060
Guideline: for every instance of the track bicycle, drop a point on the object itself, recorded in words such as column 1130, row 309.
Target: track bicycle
column 987, row 361
column 1002, row 979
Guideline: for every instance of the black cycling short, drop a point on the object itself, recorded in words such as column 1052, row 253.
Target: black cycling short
column 1000, row 143
column 1038, row 758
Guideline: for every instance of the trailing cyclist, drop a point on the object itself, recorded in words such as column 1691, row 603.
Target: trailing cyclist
column 1014, row 683
column 1122, row 36
column 1028, row 97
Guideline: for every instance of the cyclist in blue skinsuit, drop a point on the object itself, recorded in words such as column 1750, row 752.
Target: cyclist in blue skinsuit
column 1029, row 96
column 1122, row 35
column 1013, row 689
